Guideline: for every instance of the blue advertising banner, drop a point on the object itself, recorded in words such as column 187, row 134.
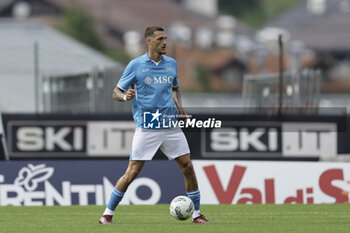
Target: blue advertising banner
column 82, row 182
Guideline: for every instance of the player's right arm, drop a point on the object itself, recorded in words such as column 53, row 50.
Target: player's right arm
column 122, row 92
column 120, row 95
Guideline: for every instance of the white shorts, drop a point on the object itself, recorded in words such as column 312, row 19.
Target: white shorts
column 172, row 142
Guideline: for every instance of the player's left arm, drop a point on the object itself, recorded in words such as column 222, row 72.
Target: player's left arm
column 177, row 99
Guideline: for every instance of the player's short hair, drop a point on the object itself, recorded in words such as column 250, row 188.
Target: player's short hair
column 151, row 29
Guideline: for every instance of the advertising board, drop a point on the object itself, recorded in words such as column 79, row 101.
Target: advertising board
column 82, row 182
column 250, row 137
column 247, row 182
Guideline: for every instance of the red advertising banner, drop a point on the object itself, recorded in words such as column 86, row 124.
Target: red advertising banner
column 240, row 182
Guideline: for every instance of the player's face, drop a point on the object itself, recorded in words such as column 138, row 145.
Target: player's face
column 157, row 42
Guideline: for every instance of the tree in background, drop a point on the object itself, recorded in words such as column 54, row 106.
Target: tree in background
column 77, row 23
column 256, row 13
column 203, row 75
column 237, row 8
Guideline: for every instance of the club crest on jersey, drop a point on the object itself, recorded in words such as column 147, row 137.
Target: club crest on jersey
column 148, row 80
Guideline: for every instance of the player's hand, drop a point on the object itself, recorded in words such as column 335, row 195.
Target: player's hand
column 130, row 94
column 184, row 115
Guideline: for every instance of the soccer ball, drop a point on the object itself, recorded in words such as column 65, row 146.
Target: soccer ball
column 181, row 207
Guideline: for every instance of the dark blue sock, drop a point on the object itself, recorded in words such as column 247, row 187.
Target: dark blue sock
column 116, row 197
column 195, row 196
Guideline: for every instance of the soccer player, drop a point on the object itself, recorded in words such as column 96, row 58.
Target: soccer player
column 149, row 91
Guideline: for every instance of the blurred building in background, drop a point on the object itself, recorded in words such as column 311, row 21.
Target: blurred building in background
column 43, row 70
column 322, row 28
column 194, row 29
column 214, row 52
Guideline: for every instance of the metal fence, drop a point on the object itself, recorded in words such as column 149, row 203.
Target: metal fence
column 86, row 92
column 299, row 90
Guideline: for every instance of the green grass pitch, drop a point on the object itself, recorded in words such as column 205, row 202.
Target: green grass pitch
column 226, row 218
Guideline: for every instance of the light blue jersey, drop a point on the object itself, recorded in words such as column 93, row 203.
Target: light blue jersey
column 153, row 84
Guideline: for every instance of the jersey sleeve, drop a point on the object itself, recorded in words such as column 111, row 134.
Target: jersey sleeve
column 128, row 77
column 176, row 80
